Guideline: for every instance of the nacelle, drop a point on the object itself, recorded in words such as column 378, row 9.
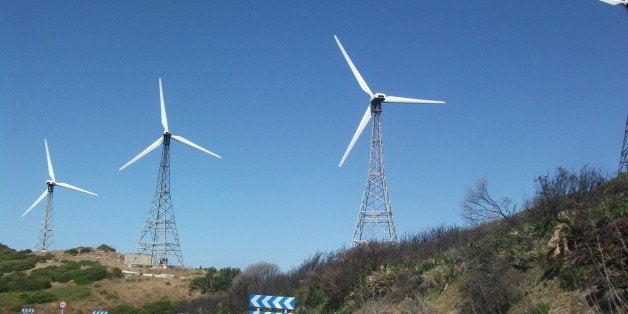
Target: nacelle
column 378, row 96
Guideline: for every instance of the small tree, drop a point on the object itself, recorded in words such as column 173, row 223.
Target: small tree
column 479, row 206
column 259, row 278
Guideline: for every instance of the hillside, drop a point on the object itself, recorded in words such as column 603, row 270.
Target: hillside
column 117, row 285
column 564, row 252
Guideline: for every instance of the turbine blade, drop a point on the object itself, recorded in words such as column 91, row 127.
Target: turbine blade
column 51, row 171
column 393, row 99
column 365, row 120
column 72, row 187
column 144, row 152
column 189, row 143
column 164, row 119
column 613, row 2
column 41, row 197
column 357, row 75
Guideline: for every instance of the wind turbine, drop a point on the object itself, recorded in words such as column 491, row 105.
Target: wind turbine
column 46, row 237
column 375, row 215
column 160, row 239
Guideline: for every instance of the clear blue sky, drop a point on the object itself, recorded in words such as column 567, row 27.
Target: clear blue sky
column 529, row 85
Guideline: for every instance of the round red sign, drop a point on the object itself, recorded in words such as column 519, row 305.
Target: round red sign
column 63, row 304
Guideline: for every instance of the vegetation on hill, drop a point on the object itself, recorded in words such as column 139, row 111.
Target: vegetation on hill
column 564, row 250
column 89, row 279
column 28, row 280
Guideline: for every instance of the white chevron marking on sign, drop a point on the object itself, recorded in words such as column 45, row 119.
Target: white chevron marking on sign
column 254, row 300
column 277, row 303
column 265, row 301
column 287, row 303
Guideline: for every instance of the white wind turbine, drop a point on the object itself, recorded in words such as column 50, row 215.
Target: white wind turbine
column 375, row 215
column 46, row 237
column 165, row 137
column 376, row 100
column 160, row 238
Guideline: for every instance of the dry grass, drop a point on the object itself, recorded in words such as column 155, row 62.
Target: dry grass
column 133, row 290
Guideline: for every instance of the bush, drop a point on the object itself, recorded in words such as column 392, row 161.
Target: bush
column 124, row 309
column 162, row 306
column 490, row 286
column 214, row 280
column 7, row 266
column 563, row 191
column 72, row 252
column 33, row 283
column 82, row 279
column 38, row 297
column 116, row 273
column 572, row 277
column 540, row 308
column 19, row 281
column 106, row 248
column 97, row 272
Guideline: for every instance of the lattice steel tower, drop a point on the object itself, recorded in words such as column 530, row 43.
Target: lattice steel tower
column 375, row 219
column 46, row 238
column 623, row 162
column 160, row 239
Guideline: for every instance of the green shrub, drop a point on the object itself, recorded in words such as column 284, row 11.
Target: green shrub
column 33, row 283
column 61, row 276
column 10, row 265
column 161, row 306
column 72, row 252
column 97, row 272
column 215, row 280
column 315, row 298
column 46, row 271
column 571, row 277
column 540, row 308
column 82, row 279
column 38, row 297
column 124, row 309
column 85, row 250
column 87, row 263
column 106, row 248
column 19, row 281
column 70, row 264
column 116, row 273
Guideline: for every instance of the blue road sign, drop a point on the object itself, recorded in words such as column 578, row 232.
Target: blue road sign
column 260, row 312
column 272, row 302
column 100, row 312
column 27, row 310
